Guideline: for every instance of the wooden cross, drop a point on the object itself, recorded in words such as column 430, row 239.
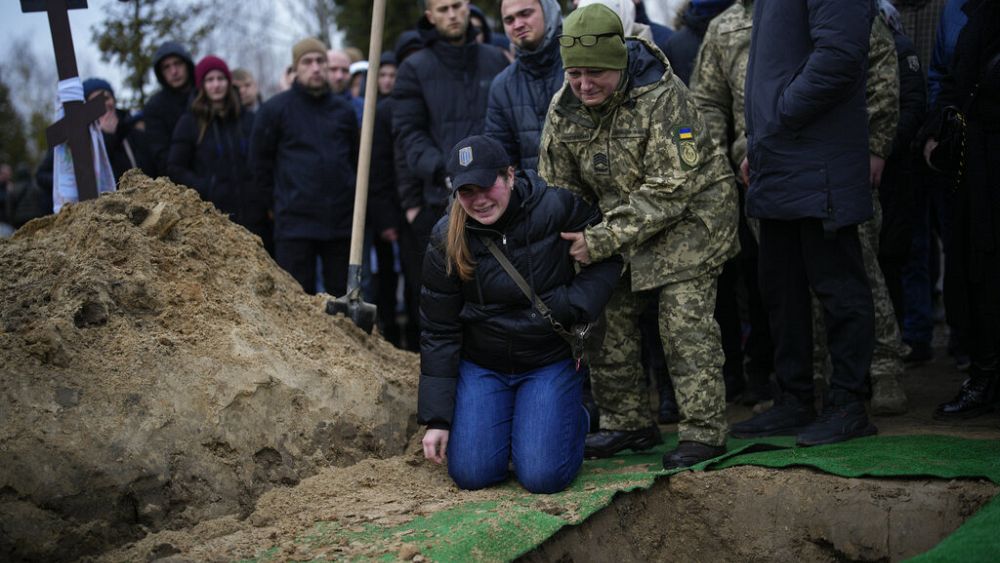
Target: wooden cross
column 74, row 128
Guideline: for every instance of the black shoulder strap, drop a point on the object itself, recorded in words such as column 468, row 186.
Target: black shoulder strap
column 524, row 287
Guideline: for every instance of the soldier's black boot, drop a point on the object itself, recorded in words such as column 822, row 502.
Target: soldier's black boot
column 843, row 417
column 977, row 396
column 606, row 443
column 690, row 453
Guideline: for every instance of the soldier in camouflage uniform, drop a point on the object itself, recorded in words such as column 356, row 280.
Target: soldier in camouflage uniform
column 717, row 85
column 625, row 132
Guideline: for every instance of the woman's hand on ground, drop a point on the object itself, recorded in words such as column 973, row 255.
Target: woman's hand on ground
column 435, row 444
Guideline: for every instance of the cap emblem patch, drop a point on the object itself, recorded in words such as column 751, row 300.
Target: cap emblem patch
column 465, row 156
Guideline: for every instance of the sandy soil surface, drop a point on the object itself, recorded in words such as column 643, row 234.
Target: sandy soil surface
column 158, row 369
column 396, row 490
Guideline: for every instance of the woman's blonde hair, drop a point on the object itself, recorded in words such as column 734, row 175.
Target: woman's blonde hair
column 457, row 253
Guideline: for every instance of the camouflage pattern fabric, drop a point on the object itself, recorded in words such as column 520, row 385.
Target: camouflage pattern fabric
column 693, row 350
column 667, row 194
column 882, row 89
column 717, row 82
column 670, row 207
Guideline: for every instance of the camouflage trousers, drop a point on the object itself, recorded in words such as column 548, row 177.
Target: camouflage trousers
column 888, row 354
column 692, row 347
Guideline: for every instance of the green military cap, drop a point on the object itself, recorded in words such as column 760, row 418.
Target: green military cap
column 593, row 38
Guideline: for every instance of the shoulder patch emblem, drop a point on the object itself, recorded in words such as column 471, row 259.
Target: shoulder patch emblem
column 686, row 147
column 601, row 164
column 913, row 62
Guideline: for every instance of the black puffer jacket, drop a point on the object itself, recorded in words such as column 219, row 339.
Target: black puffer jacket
column 487, row 320
column 441, row 94
column 218, row 165
column 304, row 151
column 165, row 108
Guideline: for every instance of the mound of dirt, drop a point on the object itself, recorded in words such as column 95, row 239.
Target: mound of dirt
column 158, row 369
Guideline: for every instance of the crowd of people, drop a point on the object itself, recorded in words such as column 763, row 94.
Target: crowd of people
column 752, row 206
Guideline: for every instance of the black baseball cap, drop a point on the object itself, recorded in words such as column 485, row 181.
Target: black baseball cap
column 476, row 160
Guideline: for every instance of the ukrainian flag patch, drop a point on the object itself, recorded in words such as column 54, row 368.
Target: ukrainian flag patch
column 687, row 148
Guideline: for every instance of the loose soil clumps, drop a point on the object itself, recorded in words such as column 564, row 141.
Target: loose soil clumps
column 158, row 369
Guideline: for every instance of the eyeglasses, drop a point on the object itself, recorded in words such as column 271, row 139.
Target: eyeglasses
column 585, row 40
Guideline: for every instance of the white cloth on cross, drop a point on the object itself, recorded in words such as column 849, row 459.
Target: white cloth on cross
column 63, row 178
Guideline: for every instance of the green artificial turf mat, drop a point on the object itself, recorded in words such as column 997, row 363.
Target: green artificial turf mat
column 505, row 529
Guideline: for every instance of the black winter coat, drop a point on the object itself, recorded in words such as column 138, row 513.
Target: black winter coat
column 384, row 211
column 127, row 147
column 218, row 166
column 304, row 152
column 898, row 180
column 807, row 123
column 165, row 108
column 519, row 100
column 974, row 84
column 441, row 93
column 488, row 320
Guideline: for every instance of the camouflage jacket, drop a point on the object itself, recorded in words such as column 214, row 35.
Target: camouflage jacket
column 666, row 191
column 720, row 71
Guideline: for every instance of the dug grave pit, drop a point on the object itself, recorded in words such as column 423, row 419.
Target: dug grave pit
column 759, row 514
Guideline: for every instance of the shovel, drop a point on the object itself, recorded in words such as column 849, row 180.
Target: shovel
column 351, row 305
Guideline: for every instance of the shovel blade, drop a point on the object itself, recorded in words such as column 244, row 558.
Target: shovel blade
column 363, row 314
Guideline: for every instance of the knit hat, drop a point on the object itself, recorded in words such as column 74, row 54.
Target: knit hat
column 360, row 66
column 92, row 85
column 307, row 45
column 593, row 38
column 211, row 62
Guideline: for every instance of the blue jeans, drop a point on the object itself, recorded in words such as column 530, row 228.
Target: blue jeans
column 535, row 419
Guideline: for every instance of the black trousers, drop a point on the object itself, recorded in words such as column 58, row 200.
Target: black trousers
column 298, row 258
column 796, row 256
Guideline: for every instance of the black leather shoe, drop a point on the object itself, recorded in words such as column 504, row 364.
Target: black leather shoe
column 977, row 397
column 785, row 418
column 690, row 453
column 843, row 418
column 606, row 443
column 667, row 413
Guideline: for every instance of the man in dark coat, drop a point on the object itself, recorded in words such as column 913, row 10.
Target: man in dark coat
column 441, row 93
column 809, row 184
column 304, row 148
column 520, row 95
column 174, row 70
